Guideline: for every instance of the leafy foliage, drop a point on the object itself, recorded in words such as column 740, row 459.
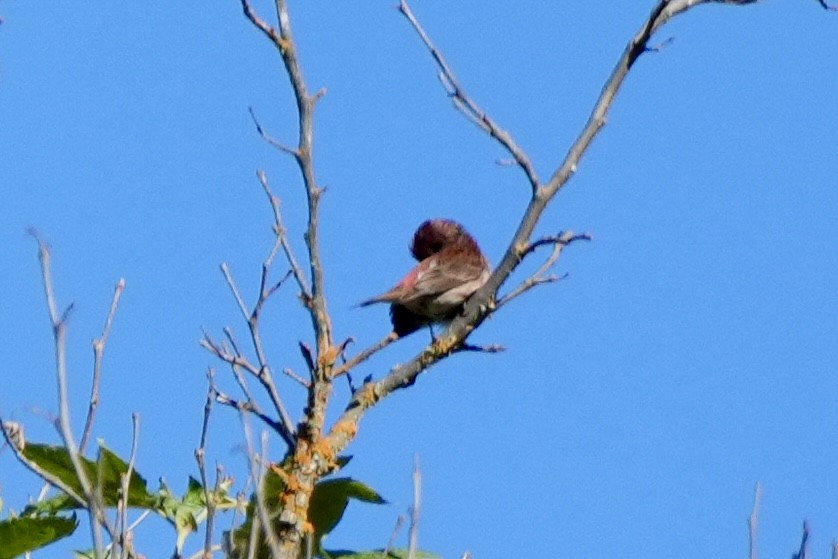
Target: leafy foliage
column 105, row 474
column 22, row 535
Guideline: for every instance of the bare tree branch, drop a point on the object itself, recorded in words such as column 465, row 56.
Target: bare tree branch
column 540, row 276
column 258, row 468
column 200, row 458
column 753, row 524
column 98, row 354
column 415, row 510
column 803, row 552
column 268, row 138
column 396, row 529
column 262, row 373
column 468, row 107
column 92, row 504
column 249, row 406
column 483, row 303
column 125, row 537
column 292, row 375
column 365, row 354
column 304, row 156
column 282, row 237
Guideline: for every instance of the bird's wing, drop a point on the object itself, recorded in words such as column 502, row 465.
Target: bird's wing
column 439, row 273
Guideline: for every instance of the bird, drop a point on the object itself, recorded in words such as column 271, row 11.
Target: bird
column 451, row 268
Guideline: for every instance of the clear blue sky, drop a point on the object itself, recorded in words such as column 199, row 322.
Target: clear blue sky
column 691, row 353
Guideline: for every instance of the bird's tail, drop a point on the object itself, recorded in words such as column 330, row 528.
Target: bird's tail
column 369, row 302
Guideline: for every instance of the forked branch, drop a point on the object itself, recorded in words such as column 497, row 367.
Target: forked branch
column 483, row 303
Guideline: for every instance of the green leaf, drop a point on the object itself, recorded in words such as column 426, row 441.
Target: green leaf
column 20, row 535
column 379, row 554
column 330, row 499
column 106, row 474
column 185, row 513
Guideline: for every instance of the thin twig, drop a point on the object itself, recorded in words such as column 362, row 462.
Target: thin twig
column 415, row 510
column 248, row 407
column 58, row 322
column 468, row 107
column 257, row 465
column 305, row 161
column 268, row 138
column 753, row 524
column 233, row 360
column 125, row 484
column 282, row 236
column 284, row 426
column 540, row 277
column 826, row 6
column 98, row 354
column 260, row 23
column 394, row 536
column 803, row 552
column 491, row 348
column 202, row 554
column 231, row 283
column 237, row 371
column 365, row 354
column 200, row 458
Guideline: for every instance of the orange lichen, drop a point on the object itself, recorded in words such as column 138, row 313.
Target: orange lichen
column 347, row 428
column 324, row 449
column 328, row 357
column 366, row 395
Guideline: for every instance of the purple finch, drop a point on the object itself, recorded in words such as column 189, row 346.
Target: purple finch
column 451, row 268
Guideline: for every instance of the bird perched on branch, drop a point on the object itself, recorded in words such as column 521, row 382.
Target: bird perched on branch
column 451, row 268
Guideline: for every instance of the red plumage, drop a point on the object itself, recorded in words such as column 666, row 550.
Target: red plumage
column 451, row 268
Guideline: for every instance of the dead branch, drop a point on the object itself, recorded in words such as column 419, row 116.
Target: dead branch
column 90, row 500
column 482, row 303
column 365, row 354
column 282, row 237
column 468, row 107
column 753, row 524
column 200, row 458
column 98, row 355
column 540, row 276
column 803, row 551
